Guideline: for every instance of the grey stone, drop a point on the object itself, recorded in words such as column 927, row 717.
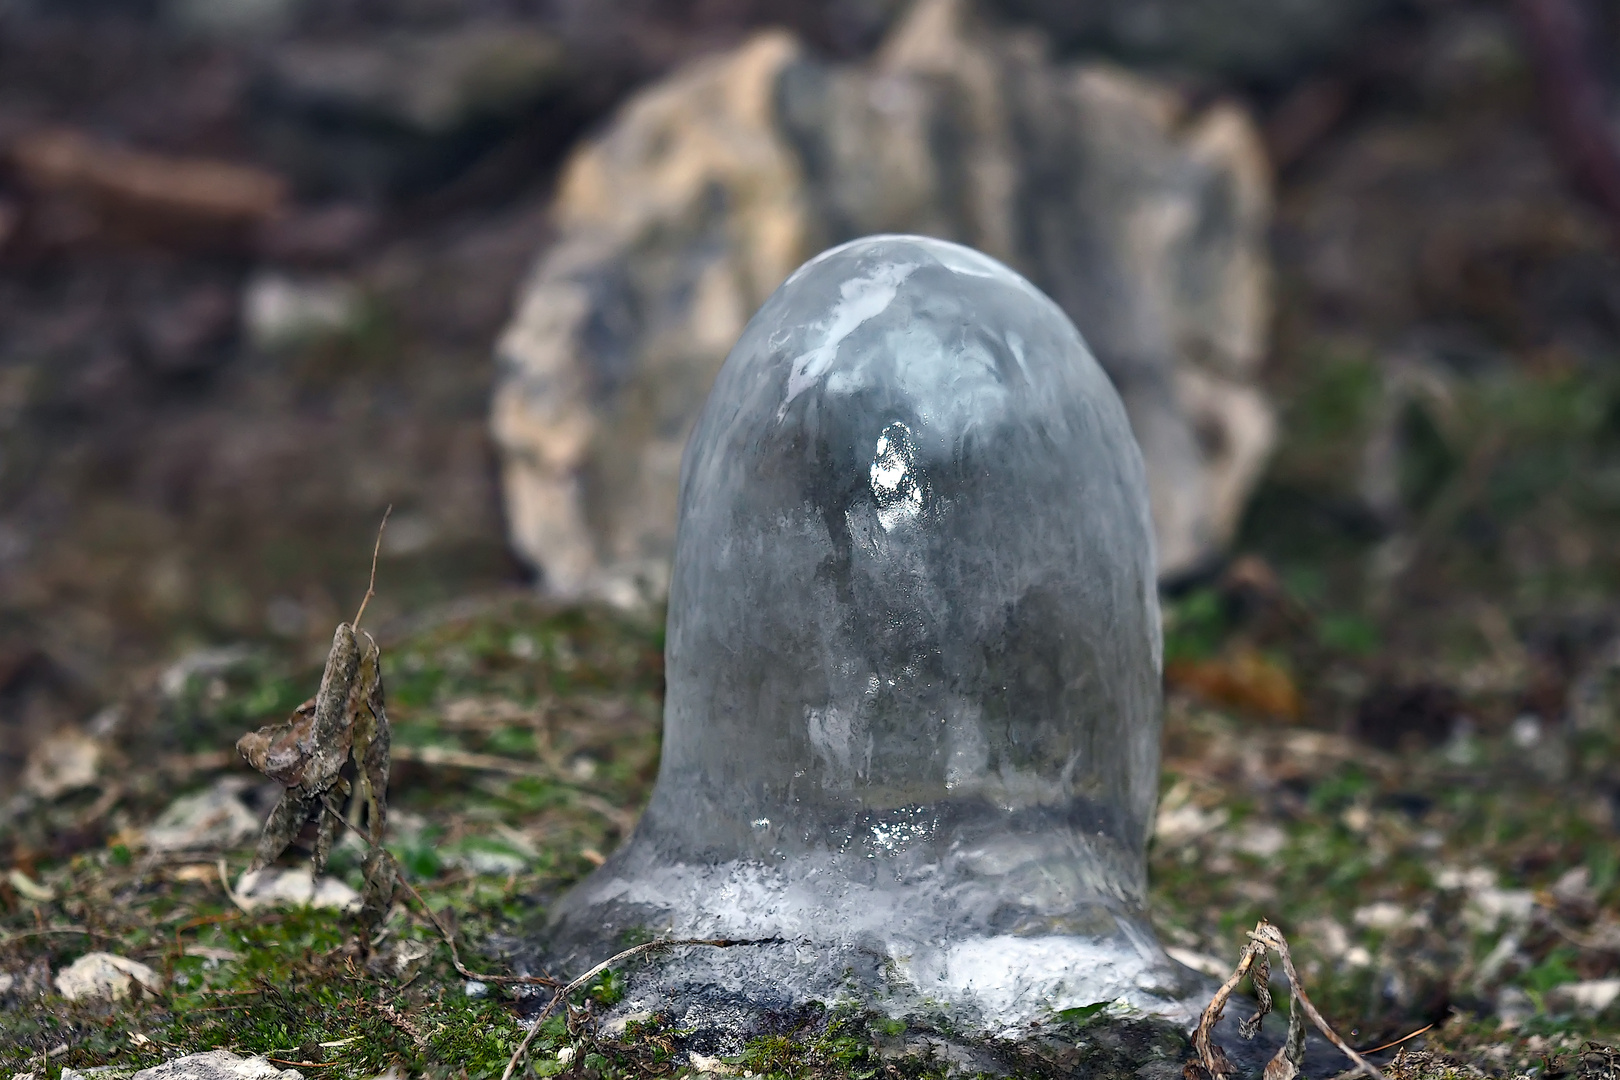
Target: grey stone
column 104, row 975
column 214, row 819
column 217, row 1065
column 1589, row 997
column 913, row 656
column 433, row 83
column 68, row 760
column 293, row 886
column 1249, row 39
column 97, row 1072
column 1145, row 221
column 405, row 109
column 232, row 18
column 279, row 312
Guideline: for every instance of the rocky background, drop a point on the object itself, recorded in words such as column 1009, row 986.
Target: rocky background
column 256, row 259
column 1142, row 214
column 268, row 267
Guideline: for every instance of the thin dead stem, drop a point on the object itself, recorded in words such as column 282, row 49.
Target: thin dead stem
column 371, row 587
column 7, row 939
column 1397, row 1042
column 230, row 894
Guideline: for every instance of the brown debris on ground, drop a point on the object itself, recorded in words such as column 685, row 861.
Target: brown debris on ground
column 137, row 196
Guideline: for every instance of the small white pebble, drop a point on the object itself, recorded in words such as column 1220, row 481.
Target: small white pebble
column 1587, row 998
column 1473, row 879
column 103, row 975
column 566, row 1054
column 1526, row 731
column 475, row 988
column 1263, row 840
column 1383, row 915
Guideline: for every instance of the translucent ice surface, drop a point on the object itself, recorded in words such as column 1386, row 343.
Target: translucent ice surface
column 913, row 663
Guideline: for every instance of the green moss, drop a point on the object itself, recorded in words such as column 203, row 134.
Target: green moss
column 1194, row 626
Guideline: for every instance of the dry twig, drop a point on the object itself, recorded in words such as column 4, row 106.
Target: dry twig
column 7, row 939
column 371, row 586
column 400, row 1022
column 230, row 894
column 1285, row 1064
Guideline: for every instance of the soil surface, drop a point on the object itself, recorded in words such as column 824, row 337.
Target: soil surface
column 1393, row 713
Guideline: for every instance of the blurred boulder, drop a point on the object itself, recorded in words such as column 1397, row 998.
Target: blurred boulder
column 1143, row 218
column 428, row 82
column 1261, row 40
column 405, row 109
column 242, row 19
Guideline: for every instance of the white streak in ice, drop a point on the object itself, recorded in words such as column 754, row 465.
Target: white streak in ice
column 859, row 300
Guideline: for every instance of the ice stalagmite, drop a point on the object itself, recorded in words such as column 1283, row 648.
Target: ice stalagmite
column 912, row 724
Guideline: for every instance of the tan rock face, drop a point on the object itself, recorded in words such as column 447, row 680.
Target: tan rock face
column 1144, row 221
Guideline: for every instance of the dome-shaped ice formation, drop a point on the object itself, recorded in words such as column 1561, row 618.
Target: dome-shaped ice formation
column 912, row 723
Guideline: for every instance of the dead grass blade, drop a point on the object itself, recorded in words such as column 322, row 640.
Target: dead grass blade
column 1397, row 1042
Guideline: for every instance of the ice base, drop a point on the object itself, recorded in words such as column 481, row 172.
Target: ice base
column 991, row 954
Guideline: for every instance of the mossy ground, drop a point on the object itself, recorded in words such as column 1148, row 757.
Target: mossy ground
column 1396, row 740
